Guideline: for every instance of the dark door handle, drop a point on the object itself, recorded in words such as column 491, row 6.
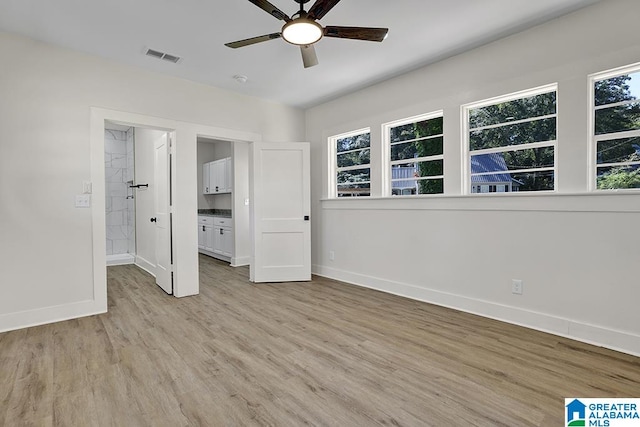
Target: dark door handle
column 306, row 217
column 153, row 220
column 203, row 228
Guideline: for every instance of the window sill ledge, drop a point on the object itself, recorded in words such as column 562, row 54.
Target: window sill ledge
column 600, row 201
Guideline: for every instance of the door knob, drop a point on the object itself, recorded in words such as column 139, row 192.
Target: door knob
column 153, row 220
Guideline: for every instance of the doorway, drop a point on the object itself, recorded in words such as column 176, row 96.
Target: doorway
column 137, row 200
column 119, row 163
column 223, row 221
column 184, row 204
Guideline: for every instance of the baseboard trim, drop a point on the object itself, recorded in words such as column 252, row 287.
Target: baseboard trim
column 146, row 265
column 46, row 315
column 216, row 256
column 240, row 261
column 121, row 259
column 622, row 341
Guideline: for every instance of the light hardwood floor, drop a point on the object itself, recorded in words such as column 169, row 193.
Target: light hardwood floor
column 318, row 353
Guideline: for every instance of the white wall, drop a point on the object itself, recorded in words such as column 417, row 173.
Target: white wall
column 241, row 211
column 577, row 253
column 48, row 102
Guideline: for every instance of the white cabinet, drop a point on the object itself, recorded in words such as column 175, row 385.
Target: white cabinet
column 206, row 178
column 217, row 176
column 215, row 237
column 222, row 237
column 228, row 175
column 205, row 233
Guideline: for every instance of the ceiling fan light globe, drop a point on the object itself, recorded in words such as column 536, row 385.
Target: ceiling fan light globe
column 302, row 32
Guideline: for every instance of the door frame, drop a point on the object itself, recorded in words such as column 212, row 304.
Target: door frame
column 183, row 186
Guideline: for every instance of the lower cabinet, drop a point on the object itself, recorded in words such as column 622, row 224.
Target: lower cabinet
column 215, row 237
column 205, row 233
column 222, row 241
column 205, row 237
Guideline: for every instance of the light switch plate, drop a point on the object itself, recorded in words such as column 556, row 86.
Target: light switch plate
column 87, row 187
column 83, row 200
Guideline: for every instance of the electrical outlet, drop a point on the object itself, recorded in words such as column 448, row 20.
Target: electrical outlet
column 83, row 200
column 516, row 287
column 332, row 255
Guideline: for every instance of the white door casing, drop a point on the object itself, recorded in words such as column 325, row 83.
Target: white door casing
column 162, row 210
column 281, row 238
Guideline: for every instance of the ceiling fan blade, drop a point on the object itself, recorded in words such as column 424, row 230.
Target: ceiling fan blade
column 309, row 57
column 357, row 33
column 321, row 8
column 253, row 40
column 271, row 9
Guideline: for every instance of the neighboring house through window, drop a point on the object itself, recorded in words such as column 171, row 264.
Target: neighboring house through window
column 482, row 182
column 510, row 142
column 615, row 130
column 351, row 170
column 416, row 155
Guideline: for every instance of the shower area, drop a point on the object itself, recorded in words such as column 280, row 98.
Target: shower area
column 120, row 202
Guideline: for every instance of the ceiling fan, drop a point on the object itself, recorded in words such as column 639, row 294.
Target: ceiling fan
column 304, row 30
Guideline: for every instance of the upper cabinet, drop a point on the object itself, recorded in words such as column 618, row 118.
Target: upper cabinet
column 217, row 176
column 206, row 178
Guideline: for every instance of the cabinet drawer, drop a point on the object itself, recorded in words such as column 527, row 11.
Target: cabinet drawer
column 223, row 222
column 205, row 220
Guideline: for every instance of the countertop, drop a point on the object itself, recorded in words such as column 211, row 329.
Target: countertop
column 220, row 213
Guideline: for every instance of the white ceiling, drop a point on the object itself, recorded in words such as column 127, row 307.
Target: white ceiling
column 420, row 32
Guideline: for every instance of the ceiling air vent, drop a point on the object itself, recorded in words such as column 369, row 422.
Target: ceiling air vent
column 163, row 56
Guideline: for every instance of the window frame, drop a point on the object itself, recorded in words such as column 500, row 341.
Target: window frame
column 594, row 138
column 386, row 152
column 466, row 130
column 333, row 162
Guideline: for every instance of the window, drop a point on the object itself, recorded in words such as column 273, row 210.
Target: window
column 416, row 155
column 616, row 129
column 511, row 142
column 352, row 163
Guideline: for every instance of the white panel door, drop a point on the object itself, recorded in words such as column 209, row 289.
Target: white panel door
column 162, row 213
column 281, row 250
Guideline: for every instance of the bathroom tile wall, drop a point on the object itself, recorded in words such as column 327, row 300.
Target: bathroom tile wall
column 119, row 197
